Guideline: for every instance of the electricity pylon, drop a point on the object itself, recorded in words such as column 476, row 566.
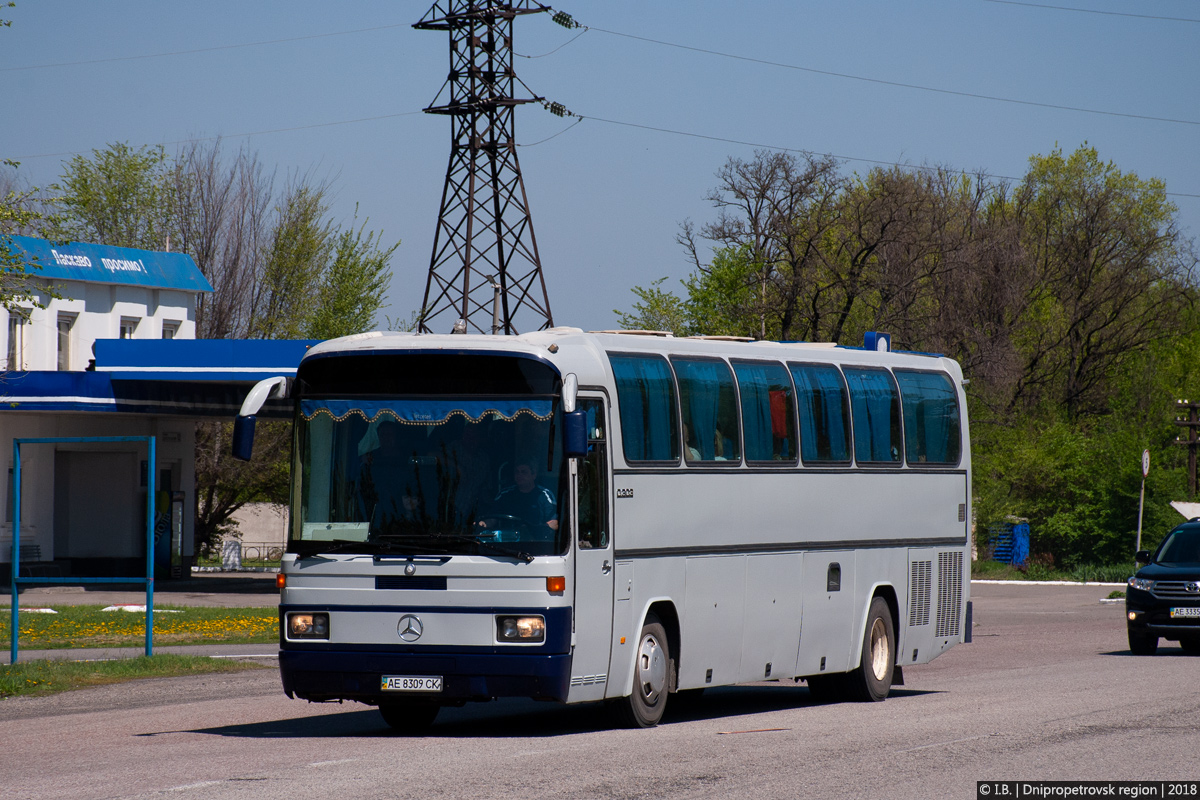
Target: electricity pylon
column 485, row 260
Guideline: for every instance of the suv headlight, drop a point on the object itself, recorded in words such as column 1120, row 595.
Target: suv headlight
column 1141, row 584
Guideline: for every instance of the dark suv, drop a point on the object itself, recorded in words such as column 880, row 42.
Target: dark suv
column 1163, row 598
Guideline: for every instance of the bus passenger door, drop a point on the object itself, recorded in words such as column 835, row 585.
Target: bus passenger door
column 594, row 563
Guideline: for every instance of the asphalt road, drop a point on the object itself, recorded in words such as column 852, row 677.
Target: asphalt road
column 1048, row 690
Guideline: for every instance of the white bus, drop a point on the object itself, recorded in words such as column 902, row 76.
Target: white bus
column 617, row 516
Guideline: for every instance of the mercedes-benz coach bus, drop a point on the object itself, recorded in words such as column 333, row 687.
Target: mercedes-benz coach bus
column 616, row 516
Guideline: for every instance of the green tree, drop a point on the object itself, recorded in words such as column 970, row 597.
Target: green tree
column 18, row 278
column 353, row 286
column 118, row 196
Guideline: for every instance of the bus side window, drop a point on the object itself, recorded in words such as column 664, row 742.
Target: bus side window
column 593, row 480
column 932, row 429
column 709, row 409
column 768, row 415
column 824, row 413
column 875, row 406
column 646, row 397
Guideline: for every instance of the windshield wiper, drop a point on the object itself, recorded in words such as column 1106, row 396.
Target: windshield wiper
column 366, row 548
column 435, row 538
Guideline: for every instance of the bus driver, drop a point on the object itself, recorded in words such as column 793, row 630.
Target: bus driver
column 526, row 501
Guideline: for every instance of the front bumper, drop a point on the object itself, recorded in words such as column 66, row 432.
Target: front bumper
column 1152, row 615
column 356, row 675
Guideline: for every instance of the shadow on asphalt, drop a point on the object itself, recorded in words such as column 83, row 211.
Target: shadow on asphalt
column 1163, row 650
column 529, row 719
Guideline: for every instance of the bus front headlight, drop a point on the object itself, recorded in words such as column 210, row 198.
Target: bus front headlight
column 308, row 626
column 520, row 629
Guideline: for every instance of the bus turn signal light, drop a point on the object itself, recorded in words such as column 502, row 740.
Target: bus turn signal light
column 556, row 585
column 280, row 580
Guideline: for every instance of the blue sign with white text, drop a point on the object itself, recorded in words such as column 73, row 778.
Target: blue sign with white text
column 98, row 263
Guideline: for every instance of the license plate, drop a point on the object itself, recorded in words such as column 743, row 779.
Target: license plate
column 1185, row 612
column 411, row 683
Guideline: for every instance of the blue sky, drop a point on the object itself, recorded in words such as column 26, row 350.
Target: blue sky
column 607, row 199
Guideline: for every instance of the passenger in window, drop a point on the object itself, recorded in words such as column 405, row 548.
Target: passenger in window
column 719, row 446
column 690, row 451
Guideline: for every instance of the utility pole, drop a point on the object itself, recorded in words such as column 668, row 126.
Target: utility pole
column 484, row 232
column 1188, row 416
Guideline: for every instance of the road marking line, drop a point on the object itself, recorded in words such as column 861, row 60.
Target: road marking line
column 199, row 785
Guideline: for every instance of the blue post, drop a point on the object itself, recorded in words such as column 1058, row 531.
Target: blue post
column 151, row 469
column 16, row 545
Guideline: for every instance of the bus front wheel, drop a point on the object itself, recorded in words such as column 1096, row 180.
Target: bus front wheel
column 409, row 718
column 872, row 681
column 651, row 677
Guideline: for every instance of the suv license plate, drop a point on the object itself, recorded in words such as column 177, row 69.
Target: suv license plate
column 1185, row 612
column 411, row 683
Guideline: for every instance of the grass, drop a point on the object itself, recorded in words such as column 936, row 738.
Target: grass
column 36, row 678
column 1085, row 573
column 88, row 626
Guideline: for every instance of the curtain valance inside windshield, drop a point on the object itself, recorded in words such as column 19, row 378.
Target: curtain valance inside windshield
column 427, row 412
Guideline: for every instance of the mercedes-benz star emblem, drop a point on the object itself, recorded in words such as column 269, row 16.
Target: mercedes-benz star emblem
column 409, row 627
column 409, row 569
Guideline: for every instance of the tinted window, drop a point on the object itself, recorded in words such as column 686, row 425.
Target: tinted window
column 709, row 409
column 646, row 394
column 931, row 425
column 768, row 419
column 875, row 406
column 1182, row 546
column 824, row 412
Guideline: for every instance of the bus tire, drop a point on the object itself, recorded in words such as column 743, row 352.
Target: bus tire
column 826, row 688
column 410, row 719
column 651, row 677
column 872, row 681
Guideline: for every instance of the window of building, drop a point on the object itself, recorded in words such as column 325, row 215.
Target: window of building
column 16, row 340
column 649, row 422
column 65, row 323
column 129, row 327
column 170, row 329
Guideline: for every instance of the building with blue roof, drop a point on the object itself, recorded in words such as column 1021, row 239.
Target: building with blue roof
column 113, row 354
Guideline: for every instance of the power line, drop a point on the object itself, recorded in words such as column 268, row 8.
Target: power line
column 201, row 49
column 746, row 143
column 1091, row 11
column 237, row 135
column 899, row 84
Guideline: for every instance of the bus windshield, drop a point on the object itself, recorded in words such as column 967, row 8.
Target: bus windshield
column 410, row 475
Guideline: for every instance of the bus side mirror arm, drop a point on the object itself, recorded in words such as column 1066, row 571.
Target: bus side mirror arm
column 243, row 426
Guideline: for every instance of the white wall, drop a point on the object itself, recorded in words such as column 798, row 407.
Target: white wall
column 98, row 310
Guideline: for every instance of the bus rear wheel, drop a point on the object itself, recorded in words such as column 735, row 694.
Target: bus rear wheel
column 409, row 719
column 872, row 681
column 651, row 678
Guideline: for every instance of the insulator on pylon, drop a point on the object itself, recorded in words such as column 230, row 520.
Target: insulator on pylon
column 564, row 19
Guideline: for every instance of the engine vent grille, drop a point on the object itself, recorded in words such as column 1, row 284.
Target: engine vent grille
column 918, row 592
column 949, row 593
